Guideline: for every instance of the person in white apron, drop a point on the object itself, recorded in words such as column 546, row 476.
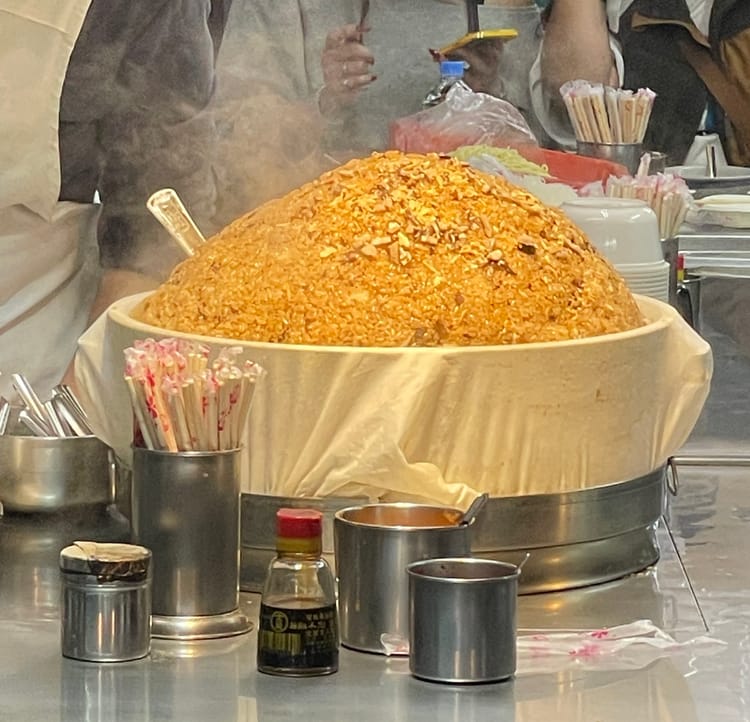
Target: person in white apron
column 49, row 253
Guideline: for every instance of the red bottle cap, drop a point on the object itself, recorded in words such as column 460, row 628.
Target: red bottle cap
column 299, row 523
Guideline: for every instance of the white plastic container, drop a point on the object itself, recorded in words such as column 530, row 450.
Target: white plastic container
column 625, row 231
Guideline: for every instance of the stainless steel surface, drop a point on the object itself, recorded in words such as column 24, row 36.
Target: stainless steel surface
column 186, row 510
column 206, row 626
column 579, row 538
column 52, row 474
column 480, row 598
column 508, row 523
column 627, row 154
column 576, row 538
column 723, row 429
column 216, row 679
column 105, row 605
column 258, row 531
column 373, row 545
column 714, row 460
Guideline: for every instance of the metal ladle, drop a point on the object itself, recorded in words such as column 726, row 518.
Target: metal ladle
column 169, row 210
column 471, row 514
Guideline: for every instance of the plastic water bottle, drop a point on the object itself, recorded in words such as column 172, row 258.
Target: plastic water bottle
column 451, row 72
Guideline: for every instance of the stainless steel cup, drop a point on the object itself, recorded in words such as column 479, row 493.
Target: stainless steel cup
column 462, row 620
column 186, row 509
column 627, row 154
column 373, row 545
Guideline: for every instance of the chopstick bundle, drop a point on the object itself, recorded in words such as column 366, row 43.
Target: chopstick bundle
column 602, row 114
column 181, row 402
column 667, row 194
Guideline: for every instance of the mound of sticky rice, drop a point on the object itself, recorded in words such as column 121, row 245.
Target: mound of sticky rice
column 397, row 249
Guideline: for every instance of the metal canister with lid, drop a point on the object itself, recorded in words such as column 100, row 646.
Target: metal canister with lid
column 105, row 606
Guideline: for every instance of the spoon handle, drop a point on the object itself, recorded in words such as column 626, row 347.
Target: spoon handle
column 168, row 209
column 473, row 511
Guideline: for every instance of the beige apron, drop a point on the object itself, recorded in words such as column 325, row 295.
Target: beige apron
column 48, row 252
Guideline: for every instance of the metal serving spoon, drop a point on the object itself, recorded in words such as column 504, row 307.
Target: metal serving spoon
column 169, row 210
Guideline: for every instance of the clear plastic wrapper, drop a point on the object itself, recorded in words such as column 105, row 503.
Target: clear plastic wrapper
column 463, row 118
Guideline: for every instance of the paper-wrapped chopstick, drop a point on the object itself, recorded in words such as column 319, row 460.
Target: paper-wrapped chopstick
column 667, row 194
column 181, row 403
column 602, row 114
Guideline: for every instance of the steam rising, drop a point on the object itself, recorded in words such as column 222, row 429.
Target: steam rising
column 271, row 138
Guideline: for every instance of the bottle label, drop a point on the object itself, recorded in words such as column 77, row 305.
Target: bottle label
column 298, row 638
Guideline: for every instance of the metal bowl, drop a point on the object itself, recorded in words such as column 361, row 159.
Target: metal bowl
column 46, row 474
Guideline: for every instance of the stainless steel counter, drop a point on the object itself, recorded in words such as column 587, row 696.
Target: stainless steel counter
column 217, row 680
column 701, row 585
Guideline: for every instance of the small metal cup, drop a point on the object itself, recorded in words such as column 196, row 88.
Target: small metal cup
column 186, row 508
column 627, row 154
column 462, row 620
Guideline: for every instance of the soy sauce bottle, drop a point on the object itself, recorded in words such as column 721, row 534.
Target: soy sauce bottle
column 298, row 628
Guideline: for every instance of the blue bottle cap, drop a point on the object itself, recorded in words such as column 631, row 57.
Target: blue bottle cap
column 452, row 67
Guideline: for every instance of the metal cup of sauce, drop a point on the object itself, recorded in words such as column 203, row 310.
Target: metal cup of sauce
column 373, row 546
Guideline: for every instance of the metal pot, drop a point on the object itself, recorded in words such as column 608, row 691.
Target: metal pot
column 374, row 544
column 47, row 474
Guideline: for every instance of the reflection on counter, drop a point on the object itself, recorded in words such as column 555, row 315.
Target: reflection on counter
column 30, row 545
column 658, row 692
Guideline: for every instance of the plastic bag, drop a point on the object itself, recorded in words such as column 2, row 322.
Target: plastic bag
column 627, row 646
column 463, row 118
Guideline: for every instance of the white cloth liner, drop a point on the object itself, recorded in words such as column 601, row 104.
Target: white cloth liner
column 442, row 424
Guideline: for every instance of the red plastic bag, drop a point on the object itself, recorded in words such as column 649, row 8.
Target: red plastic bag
column 463, row 118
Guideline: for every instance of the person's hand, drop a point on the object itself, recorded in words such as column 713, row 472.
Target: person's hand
column 347, row 68
column 483, row 58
